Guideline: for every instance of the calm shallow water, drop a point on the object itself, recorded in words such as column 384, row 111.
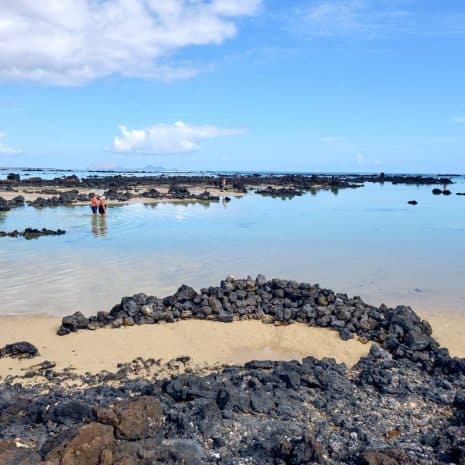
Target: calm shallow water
column 366, row 242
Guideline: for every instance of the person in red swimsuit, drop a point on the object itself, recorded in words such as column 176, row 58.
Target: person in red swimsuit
column 93, row 203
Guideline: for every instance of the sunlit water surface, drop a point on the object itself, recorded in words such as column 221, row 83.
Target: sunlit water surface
column 366, row 242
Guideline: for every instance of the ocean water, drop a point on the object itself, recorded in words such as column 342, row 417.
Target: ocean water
column 366, row 242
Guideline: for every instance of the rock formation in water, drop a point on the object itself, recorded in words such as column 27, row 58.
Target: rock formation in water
column 33, row 233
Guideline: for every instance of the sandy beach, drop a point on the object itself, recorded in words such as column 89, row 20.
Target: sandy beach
column 204, row 341
column 207, row 343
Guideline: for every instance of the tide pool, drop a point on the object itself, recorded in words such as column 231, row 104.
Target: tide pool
column 366, row 241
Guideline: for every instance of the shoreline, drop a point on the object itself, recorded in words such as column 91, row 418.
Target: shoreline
column 228, row 343
column 72, row 190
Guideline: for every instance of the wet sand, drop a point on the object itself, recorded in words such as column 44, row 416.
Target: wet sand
column 204, row 341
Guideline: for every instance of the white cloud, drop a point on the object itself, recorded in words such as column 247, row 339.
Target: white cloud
column 356, row 17
column 458, row 120
column 72, row 42
column 167, row 138
column 6, row 149
column 373, row 18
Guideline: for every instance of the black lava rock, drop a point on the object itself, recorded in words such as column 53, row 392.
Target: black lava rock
column 19, row 350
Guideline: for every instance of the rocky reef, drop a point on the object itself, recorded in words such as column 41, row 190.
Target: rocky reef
column 63, row 198
column 122, row 188
column 402, row 404
column 382, row 412
column 239, row 182
column 282, row 192
column 7, row 205
column 33, row 233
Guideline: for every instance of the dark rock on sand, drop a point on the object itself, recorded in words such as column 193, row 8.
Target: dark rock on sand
column 262, row 413
column 207, row 197
column 7, row 205
column 280, row 192
column 19, row 350
column 152, row 194
column 399, row 330
column 179, row 191
column 113, row 194
column 404, row 403
column 73, row 322
column 64, row 198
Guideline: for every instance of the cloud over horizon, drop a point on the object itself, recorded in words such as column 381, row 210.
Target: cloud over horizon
column 164, row 139
column 73, row 42
column 6, row 149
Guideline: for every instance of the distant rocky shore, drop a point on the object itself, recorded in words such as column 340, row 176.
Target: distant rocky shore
column 237, row 181
column 68, row 190
column 402, row 404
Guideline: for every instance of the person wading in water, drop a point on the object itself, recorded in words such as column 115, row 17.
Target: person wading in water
column 93, row 203
column 102, row 206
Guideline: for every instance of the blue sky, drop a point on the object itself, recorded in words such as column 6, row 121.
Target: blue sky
column 324, row 85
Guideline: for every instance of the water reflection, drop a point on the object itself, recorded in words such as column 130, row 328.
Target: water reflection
column 99, row 225
column 363, row 241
